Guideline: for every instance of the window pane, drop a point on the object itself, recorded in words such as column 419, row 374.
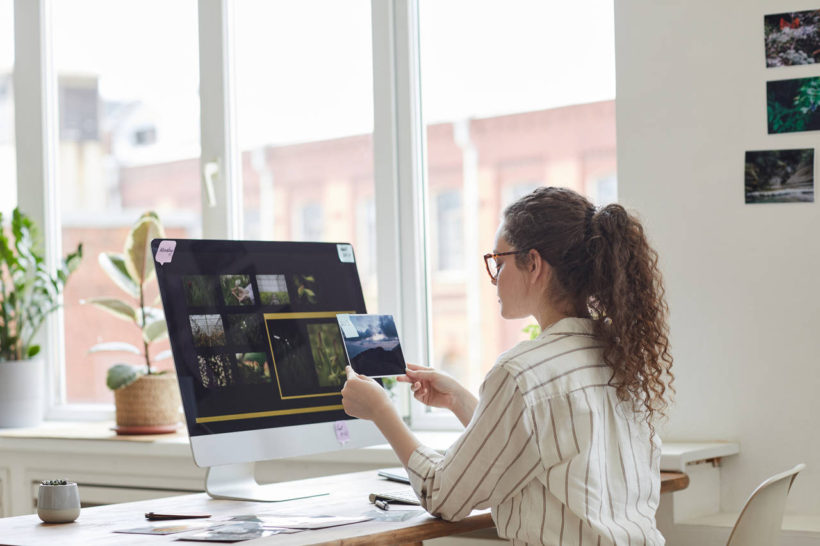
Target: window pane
column 305, row 124
column 532, row 106
column 128, row 106
column 8, row 169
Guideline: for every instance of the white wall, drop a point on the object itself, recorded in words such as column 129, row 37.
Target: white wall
column 742, row 280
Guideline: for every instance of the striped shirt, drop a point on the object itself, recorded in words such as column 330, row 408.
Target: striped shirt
column 551, row 449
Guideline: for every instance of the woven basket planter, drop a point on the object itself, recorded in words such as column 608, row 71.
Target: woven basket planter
column 151, row 400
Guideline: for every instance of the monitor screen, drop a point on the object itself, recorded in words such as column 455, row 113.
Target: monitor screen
column 256, row 345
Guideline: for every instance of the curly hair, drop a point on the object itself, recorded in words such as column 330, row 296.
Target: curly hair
column 604, row 269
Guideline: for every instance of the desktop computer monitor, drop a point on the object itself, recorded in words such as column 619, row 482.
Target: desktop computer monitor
column 258, row 353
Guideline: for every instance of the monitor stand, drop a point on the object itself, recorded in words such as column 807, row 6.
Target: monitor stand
column 237, row 482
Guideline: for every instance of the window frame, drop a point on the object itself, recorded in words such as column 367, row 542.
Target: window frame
column 399, row 168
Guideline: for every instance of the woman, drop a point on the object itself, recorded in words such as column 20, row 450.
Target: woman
column 560, row 442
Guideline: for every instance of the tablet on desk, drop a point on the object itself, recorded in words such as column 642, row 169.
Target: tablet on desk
column 397, row 474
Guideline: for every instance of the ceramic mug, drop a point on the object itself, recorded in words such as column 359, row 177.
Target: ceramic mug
column 58, row 503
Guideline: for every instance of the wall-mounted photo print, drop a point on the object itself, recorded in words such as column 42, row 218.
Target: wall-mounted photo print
column 237, row 289
column 780, row 176
column 306, row 288
column 792, row 38
column 793, row 105
column 215, row 371
column 273, row 289
column 328, row 353
column 200, row 290
column 253, row 368
column 207, row 330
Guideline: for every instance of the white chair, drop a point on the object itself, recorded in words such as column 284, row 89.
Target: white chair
column 760, row 520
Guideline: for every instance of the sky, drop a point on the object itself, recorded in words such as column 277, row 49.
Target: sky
column 303, row 69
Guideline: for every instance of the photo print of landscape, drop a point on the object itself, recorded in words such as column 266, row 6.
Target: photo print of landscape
column 780, row 176
column 793, row 105
column 308, row 358
column 372, row 345
column 237, row 289
column 273, row 289
column 792, row 38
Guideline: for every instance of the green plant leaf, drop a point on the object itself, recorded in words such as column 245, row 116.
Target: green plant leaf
column 114, row 266
column 115, row 346
column 154, row 331
column 116, row 307
column 122, row 375
column 138, row 258
column 33, row 350
column 163, row 355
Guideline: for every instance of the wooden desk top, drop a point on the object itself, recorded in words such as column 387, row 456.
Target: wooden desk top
column 348, row 497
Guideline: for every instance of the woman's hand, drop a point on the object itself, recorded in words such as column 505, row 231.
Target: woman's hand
column 431, row 387
column 362, row 397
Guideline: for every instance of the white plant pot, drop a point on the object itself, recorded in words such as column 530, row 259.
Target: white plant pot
column 21, row 393
column 58, row 503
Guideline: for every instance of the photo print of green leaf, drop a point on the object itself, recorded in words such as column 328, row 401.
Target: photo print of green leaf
column 793, row 105
column 780, row 176
column 792, row 38
column 305, row 288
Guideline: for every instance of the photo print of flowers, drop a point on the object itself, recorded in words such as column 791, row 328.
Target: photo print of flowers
column 793, row 105
column 792, row 38
column 780, row 176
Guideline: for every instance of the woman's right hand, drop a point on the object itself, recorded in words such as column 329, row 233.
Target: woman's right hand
column 432, row 387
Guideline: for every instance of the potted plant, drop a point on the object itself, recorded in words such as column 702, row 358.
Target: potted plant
column 146, row 399
column 29, row 292
column 58, row 501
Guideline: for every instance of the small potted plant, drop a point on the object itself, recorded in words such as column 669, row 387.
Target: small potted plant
column 29, row 292
column 146, row 399
column 58, row 501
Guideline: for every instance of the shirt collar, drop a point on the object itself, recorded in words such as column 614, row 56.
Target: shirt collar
column 569, row 326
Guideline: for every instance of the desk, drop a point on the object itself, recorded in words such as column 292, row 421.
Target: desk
column 348, row 496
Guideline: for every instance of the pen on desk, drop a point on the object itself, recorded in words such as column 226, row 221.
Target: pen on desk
column 381, row 504
column 154, row 517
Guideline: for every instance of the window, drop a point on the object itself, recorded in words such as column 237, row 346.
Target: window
column 128, row 143
column 304, row 100
column 502, row 117
column 8, row 171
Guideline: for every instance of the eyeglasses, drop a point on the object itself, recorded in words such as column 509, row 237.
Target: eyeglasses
column 492, row 264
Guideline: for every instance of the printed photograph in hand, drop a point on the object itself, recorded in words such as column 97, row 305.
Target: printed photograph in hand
column 372, row 344
column 237, row 289
column 792, row 38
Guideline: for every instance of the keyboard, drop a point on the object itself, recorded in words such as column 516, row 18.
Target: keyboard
column 397, row 496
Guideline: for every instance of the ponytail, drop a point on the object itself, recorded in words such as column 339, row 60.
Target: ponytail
column 604, row 269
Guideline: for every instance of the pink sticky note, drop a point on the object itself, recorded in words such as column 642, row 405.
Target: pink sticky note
column 342, row 432
column 165, row 252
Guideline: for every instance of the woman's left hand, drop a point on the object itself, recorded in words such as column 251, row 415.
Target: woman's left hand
column 362, row 397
